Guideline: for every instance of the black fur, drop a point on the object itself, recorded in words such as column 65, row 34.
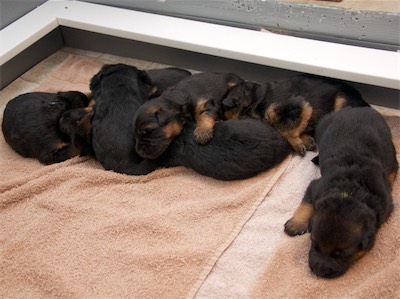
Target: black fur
column 160, row 120
column 77, row 124
column 240, row 149
column 353, row 196
column 282, row 103
column 164, row 78
column 118, row 91
column 30, row 125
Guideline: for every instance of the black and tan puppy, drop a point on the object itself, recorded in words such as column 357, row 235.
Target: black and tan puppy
column 240, row 149
column 166, row 77
column 77, row 125
column 293, row 106
column 118, row 91
column 31, row 125
column 345, row 207
column 197, row 97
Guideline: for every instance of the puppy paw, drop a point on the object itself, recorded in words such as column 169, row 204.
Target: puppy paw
column 309, row 143
column 293, row 228
column 202, row 135
column 300, row 149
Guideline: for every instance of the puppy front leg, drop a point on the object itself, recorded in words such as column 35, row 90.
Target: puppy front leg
column 206, row 116
column 299, row 223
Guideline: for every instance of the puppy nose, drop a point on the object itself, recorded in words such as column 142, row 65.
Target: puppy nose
column 326, row 269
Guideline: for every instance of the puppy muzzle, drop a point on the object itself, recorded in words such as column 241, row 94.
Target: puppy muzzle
column 325, row 266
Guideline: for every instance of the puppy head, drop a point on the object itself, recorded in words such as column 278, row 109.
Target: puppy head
column 342, row 230
column 75, row 99
column 238, row 98
column 156, row 124
column 137, row 79
column 76, row 123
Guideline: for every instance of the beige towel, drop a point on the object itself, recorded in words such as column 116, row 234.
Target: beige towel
column 74, row 230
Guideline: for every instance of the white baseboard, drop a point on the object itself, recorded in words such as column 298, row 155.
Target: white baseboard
column 357, row 64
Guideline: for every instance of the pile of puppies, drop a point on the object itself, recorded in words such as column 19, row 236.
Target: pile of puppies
column 227, row 128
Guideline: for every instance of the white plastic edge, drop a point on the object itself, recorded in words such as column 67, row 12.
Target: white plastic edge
column 358, row 64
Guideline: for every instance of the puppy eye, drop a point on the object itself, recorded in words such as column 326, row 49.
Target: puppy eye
column 337, row 253
column 145, row 131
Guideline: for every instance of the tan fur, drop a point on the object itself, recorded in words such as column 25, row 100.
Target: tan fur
column 232, row 113
column 231, row 84
column 340, row 102
column 270, row 114
column 204, row 122
column 301, row 217
column 172, row 129
column 200, row 107
column 293, row 135
column 152, row 110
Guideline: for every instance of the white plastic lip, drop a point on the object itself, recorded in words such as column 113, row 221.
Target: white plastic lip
column 358, row 64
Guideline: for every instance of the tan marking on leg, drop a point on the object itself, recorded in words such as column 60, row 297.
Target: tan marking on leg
column 172, row 129
column 293, row 136
column 200, row 107
column 298, row 224
column 231, row 84
column 92, row 103
column 75, row 151
column 340, row 102
column 88, row 109
column 232, row 113
column 204, row 122
column 270, row 114
column 309, row 142
column 204, row 128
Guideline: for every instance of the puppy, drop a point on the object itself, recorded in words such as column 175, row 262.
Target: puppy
column 166, row 77
column 293, row 106
column 197, row 97
column 30, row 125
column 118, row 91
column 240, row 149
column 345, row 207
column 77, row 125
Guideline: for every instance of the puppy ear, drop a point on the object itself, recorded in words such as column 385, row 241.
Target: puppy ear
column 369, row 232
column 164, row 116
column 76, row 98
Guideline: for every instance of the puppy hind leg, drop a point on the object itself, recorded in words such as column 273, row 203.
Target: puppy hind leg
column 292, row 126
column 302, row 144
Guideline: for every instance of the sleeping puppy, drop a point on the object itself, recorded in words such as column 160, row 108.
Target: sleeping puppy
column 166, row 77
column 240, row 149
column 30, row 125
column 345, row 207
column 197, row 97
column 293, row 106
column 77, row 125
column 118, row 91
